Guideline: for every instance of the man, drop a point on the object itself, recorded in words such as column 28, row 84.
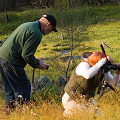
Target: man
column 16, row 52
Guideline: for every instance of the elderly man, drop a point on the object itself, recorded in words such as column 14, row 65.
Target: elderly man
column 17, row 51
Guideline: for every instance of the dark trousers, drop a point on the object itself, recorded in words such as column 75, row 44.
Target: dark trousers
column 16, row 84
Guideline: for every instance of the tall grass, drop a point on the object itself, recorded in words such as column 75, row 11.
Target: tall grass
column 103, row 26
column 108, row 108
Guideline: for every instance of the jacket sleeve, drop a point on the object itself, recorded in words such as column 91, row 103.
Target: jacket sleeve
column 85, row 70
column 29, row 50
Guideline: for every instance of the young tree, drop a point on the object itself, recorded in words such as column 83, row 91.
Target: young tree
column 73, row 22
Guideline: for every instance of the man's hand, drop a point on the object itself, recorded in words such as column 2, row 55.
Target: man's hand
column 42, row 65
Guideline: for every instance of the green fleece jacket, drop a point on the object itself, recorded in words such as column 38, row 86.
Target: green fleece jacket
column 21, row 45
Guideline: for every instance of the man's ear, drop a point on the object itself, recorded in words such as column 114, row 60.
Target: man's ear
column 48, row 23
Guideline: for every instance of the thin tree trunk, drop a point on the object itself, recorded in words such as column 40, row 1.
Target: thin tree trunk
column 66, row 72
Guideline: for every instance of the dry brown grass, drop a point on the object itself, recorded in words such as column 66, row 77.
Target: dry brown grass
column 108, row 109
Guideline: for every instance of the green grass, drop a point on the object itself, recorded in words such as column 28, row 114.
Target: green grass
column 104, row 26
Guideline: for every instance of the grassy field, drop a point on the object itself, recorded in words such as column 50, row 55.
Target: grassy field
column 104, row 26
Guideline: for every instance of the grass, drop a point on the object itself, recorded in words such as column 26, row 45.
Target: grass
column 53, row 111
column 103, row 27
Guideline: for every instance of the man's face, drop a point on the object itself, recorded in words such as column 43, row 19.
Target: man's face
column 48, row 29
